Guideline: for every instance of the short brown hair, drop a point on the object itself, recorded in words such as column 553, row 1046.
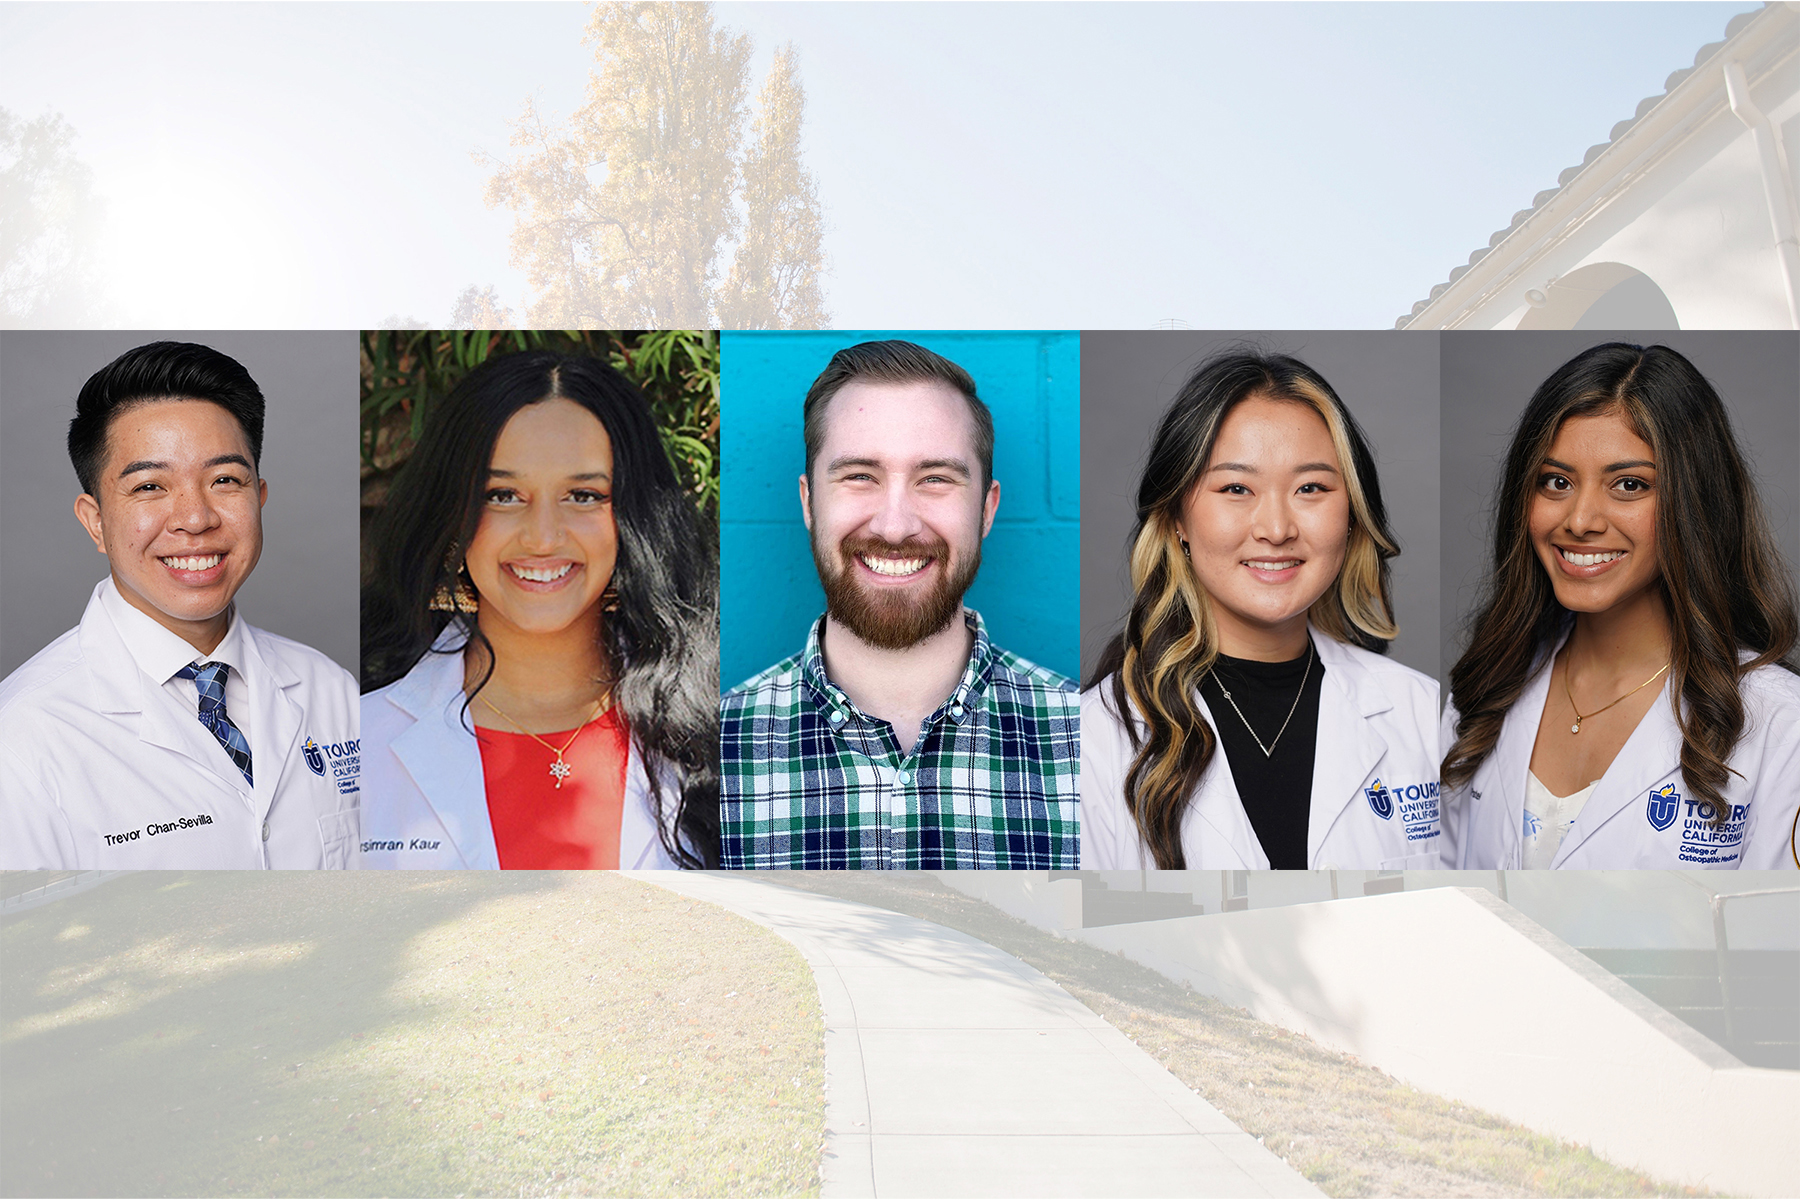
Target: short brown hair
column 895, row 362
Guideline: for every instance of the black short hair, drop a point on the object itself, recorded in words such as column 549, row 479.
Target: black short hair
column 160, row 371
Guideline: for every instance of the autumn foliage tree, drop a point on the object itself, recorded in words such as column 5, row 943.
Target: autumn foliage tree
column 651, row 208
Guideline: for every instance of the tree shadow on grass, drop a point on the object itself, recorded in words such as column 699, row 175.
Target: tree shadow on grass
column 149, row 1022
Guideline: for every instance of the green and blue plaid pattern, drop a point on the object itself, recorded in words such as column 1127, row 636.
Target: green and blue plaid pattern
column 811, row 782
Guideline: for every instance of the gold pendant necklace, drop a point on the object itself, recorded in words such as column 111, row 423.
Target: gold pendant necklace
column 1570, row 693
column 560, row 769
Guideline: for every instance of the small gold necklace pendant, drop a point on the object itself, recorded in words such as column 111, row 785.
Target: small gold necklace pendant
column 561, row 770
column 1575, row 728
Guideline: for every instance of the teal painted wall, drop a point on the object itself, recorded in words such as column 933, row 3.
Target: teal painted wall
column 1028, row 591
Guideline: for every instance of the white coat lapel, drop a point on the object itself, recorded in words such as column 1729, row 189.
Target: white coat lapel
column 121, row 687
column 277, row 722
column 637, row 822
column 1501, row 780
column 1221, row 811
column 440, row 754
column 1651, row 752
column 1348, row 750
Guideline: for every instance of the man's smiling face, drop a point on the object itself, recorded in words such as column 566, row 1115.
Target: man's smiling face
column 897, row 506
column 178, row 513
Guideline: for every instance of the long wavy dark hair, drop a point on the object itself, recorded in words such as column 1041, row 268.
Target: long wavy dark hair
column 662, row 641
column 1170, row 640
column 1723, row 581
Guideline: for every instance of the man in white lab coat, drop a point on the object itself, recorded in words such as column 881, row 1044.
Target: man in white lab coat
column 164, row 731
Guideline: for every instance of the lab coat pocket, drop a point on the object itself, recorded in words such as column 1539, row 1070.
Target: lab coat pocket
column 338, row 834
column 1412, row 862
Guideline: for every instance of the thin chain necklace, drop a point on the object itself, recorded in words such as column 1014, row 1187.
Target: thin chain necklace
column 1268, row 750
column 559, row 768
column 1569, row 692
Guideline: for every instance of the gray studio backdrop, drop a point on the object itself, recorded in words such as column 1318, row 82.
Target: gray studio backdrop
column 1387, row 379
column 1489, row 376
column 305, row 585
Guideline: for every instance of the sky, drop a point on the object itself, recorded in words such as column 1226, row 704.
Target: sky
column 979, row 165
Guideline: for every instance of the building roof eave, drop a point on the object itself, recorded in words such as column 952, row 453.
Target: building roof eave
column 1692, row 97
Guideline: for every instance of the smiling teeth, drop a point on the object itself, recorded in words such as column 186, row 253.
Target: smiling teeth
column 895, row 566
column 543, row 574
column 1589, row 560
column 1268, row 565
column 194, row 562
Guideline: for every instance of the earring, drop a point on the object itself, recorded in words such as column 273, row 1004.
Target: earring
column 609, row 599
column 464, row 599
column 1184, row 550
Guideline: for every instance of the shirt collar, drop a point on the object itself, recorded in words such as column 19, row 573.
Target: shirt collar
column 160, row 653
column 960, row 702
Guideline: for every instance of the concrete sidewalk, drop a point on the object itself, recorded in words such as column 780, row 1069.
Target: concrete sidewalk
column 954, row 1069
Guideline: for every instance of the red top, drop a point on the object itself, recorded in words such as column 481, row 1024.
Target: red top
column 541, row 827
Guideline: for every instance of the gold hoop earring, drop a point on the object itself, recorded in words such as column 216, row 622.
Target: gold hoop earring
column 463, row 599
column 609, row 599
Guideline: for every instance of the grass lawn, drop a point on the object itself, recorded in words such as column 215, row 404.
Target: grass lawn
column 1349, row 1128
column 403, row 1033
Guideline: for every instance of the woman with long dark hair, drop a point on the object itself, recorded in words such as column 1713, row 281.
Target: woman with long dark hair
column 1629, row 696
column 540, row 636
column 1258, row 623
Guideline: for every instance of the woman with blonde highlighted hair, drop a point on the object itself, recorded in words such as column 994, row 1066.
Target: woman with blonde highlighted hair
column 1259, row 620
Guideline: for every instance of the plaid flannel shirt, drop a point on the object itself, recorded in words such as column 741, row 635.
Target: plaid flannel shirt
column 810, row 781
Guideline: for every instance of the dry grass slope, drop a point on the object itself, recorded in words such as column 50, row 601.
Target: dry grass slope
column 380, row 1034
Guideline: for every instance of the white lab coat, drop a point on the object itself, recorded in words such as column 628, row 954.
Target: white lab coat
column 1640, row 815
column 425, row 803
column 1374, row 789
column 101, row 768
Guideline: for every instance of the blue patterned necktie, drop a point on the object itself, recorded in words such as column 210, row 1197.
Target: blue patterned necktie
column 210, row 679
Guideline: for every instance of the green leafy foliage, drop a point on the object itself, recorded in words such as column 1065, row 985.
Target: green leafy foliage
column 406, row 373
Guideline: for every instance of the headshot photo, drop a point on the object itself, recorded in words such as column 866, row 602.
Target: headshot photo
column 1259, row 601
column 1621, row 529
column 540, row 647
column 176, row 692
column 899, row 604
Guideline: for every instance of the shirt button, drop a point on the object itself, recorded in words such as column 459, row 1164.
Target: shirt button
column 265, row 830
column 837, row 718
column 956, row 710
column 903, row 778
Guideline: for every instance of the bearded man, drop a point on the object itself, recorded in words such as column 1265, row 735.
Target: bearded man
column 900, row 737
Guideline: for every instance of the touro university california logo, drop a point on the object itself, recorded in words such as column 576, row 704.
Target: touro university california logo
column 1381, row 800
column 1664, row 803
column 315, row 760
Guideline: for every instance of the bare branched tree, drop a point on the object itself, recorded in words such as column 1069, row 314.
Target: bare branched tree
column 631, row 215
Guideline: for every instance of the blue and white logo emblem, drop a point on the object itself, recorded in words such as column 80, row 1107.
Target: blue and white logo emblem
column 315, row 760
column 1664, row 803
column 1381, row 800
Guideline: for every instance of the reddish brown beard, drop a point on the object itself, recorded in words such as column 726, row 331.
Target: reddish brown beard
column 892, row 621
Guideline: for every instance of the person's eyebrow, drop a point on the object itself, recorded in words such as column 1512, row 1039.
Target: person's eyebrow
column 945, row 464
column 578, row 477
column 1628, row 465
column 1316, row 466
column 1246, row 468
column 838, row 464
column 1558, row 464
column 148, row 464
